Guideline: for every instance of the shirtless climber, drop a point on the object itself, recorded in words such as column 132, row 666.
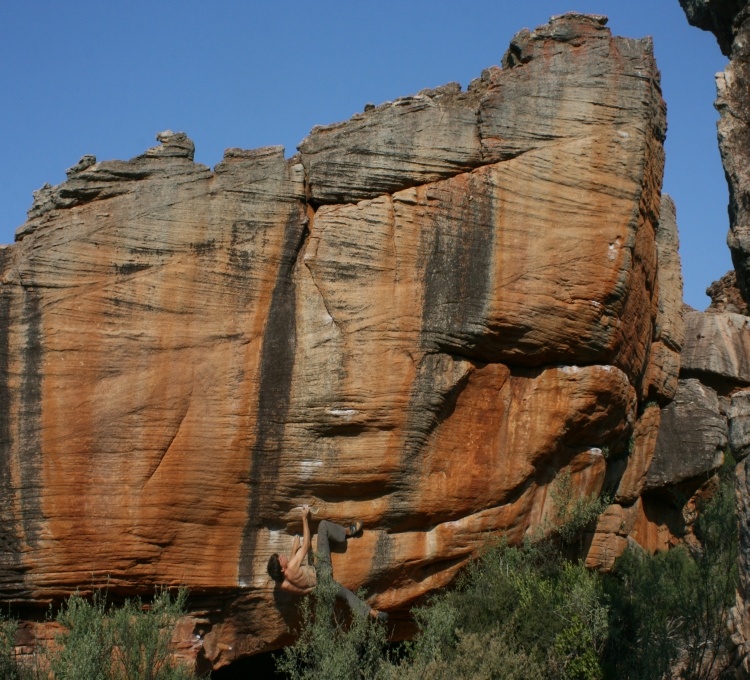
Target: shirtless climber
column 294, row 577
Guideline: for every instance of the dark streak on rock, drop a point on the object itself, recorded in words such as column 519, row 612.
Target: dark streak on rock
column 239, row 257
column 275, row 382
column 30, row 411
column 457, row 252
column 457, row 261
column 431, row 403
column 127, row 268
column 204, row 247
column 434, row 395
column 382, row 560
column 9, row 541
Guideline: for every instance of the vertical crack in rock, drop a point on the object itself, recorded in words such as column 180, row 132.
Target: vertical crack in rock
column 326, row 306
column 274, row 390
column 29, row 421
column 172, row 439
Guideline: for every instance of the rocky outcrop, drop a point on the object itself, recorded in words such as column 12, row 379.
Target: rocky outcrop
column 726, row 296
column 632, row 518
column 710, row 414
column 729, row 20
column 675, row 452
column 717, row 349
column 660, row 380
column 716, row 16
column 715, row 352
column 693, row 425
column 420, row 321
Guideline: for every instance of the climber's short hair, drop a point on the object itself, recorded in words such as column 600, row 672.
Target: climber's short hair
column 274, row 568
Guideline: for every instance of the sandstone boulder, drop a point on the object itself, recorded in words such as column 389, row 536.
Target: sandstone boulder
column 726, row 296
column 420, row 322
column 638, row 463
column 612, row 535
column 692, row 437
column 717, row 349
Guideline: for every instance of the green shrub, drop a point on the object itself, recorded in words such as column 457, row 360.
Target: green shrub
column 514, row 613
column 648, row 595
column 671, row 609
column 84, row 649
column 332, row 645
column 475, row 655
column 529, row 612
column 141, row 638
column 9, row 668
column 708, row 645
column 100, row 642
column 573, row 513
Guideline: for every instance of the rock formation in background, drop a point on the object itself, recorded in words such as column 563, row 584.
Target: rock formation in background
column 717, row 344
column 716, row 362
column 729, row 20
column 420, row 321
column 726, row 296
column 716, row 16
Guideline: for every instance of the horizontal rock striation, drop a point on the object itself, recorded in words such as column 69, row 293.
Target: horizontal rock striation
column 419, row 321
column 717, row 348
column 692, row 424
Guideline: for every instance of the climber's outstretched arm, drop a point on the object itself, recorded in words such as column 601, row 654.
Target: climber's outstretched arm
column 299, row 552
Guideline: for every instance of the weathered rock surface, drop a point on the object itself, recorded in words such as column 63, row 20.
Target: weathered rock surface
column 674, row 452
column 738, row 417
column 660, row 380
column 670, row 327
column 638, row 463
column 740, row 620
column 612, row 535
column 729, row 20
column 716, row 16
column 717, row 349
column 419, row 321
column 692, row 437
column 726, row 296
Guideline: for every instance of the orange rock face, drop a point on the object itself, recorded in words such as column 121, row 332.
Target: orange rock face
column 418, row 322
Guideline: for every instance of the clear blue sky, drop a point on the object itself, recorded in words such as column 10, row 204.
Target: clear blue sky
column 93, row 77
